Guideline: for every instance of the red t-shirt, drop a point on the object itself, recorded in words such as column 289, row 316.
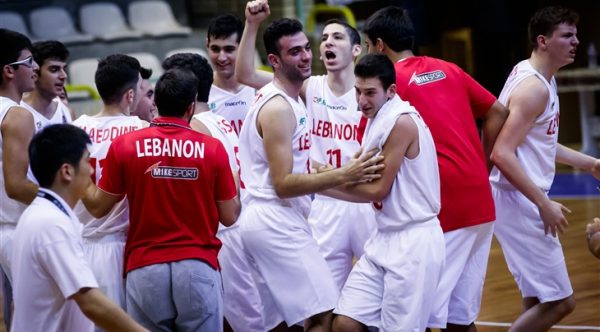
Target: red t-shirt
column 172, row 177
column 449, row 100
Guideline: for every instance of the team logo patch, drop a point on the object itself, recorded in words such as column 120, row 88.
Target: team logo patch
column 302, row 121
column 212, row 106
column 167, row 172
column 319, row 100
column 426, row 78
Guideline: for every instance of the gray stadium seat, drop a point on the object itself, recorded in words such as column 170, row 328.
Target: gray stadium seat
column 55, row 23
column 105, row 21
column 155, row 18
column 149, row 60
column 13, row 21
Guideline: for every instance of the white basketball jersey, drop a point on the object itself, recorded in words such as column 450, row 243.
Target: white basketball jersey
column 222, row 130
column 415, row 193
column 61, row 115
column 10, row 209
column 337, row 124
column 102, row 131
column 231, row 106
column 254, row 166
column 537, row 152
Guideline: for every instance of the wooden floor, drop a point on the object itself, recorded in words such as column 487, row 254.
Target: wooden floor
column 501, row 300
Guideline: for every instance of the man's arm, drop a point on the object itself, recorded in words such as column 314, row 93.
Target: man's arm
column 493, row 120
column 229, row 211
column 568, row 156
column 17, row 131
column 245, row 72
column 526, row 103
column 593, row 237
column 98, row 202
column 402, row 141
column 277, row 140
column 104, row 313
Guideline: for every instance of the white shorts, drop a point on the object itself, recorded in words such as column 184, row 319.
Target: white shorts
column 458, row 297
column 7, row 232
column 105, row 255
column 393, row 284
column 341, row 229
column 535, row 260
column 241, row 301
column 293, row 279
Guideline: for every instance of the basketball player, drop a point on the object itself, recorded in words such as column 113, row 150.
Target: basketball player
column 42, row 102
column 337, row 128
column 392, row 285
column 524, row 155
column 118, row 80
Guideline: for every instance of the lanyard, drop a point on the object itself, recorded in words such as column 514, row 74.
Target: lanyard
column 167, row 124
column 53, row 200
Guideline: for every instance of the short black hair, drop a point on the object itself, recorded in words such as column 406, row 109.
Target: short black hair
column 49, row 50
column 13, row 43
column 54, row 146
column 393, row 25
column 175, row 90
column 116, row 74
column 353, row 34
column 223, row 26
column 146, row 73
column 376, row 65
column 544, row 21
column 198, row 65
column 276, row 30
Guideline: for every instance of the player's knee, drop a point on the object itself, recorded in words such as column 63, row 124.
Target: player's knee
column 346, row 324
column 567, row 305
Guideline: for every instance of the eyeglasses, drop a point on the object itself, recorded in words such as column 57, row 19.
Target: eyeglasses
column 27, row 62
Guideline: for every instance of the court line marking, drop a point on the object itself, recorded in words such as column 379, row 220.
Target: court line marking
column 558, row 327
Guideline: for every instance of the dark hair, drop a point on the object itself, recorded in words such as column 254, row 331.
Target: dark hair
column 545, row 21
column 376, row 65
column 223, row 26
column 13, row 43
column 277, row 29
column 116, row 74
column 353, row 34
column 54, row 146
column 145, row 73
column 394, row 26
column 175, row 90
column 198, row 65
column 49, row 50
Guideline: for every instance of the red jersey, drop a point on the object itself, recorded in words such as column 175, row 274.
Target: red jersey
column 172, row 176
column 449, row 100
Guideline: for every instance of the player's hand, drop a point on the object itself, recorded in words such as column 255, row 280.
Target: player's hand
column 257, row 11
column 552, row 214
column 596, row 169
column 593, row 227
column 317, row 167
column 365, row 167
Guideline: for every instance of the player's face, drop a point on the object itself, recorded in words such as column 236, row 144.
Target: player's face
column 51, row 78
column 294, row 59
column 371, row 49
column 146, row 109
column 222, row 53
column 562, row 44
column 83, row 175
column 336, row 50
column 24, row 73
column 137, row 93
column 371, row 96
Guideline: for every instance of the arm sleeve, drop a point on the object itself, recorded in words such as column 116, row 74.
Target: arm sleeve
column 224, row 183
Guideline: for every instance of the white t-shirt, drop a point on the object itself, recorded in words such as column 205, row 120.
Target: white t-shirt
column 102, row 131
column 48, row 267
column 415, row 193
column 231, row 106
column 537, row 152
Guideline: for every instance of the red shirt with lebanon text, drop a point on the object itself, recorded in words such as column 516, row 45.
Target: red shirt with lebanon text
column 449, row 100
column 172, row 176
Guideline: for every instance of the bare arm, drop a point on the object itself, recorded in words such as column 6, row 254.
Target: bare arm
column 245, row 72
column 526, row 103
column 402, row 141
column 229, row 211
column 104, row 313
column 98, row 202
column 17, row 131
column 492, row 123
column 277, row 142
column 568, row 156
column 593, row 237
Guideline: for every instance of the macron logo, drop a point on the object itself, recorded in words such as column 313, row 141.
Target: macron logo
column 153, row 167
column 426, row 78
